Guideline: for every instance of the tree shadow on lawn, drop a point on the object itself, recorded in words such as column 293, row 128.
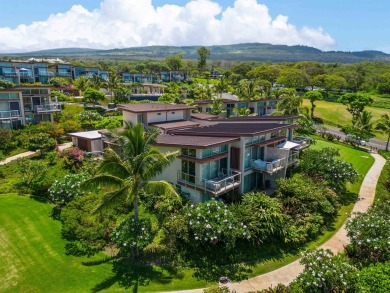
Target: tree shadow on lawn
column 131, row 275
column 238, row 264
column 347, row 198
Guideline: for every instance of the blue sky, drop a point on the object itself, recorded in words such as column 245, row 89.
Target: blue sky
column 353, row 25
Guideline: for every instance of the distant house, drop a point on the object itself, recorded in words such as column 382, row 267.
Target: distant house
column 24, row 104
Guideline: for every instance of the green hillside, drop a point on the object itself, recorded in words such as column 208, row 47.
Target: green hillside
column 242, row 52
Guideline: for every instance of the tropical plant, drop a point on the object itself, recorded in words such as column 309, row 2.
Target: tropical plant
column 92, row 95
column 42, row 142
column 73, row 158
column 112, row 84
column 290, row 103
column 243, row 112
column 221, row 86
column 95, row 82
column 62, row 191
column 247, row 90
column 313, row 96
column 131, row 169
column 216, row 107
column 81, row 83
column 89, row 119
column 384, row 127
column 355, row 104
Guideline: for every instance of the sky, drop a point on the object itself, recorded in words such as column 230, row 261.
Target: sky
column 347, row 25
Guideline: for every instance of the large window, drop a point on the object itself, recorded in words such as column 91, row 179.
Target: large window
column 254, row 139
column 252, row 154
column 214, row 151
column 214, row 169
column 188, row 171
column 188, row 152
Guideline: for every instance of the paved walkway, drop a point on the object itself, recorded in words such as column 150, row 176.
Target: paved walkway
column 336, row 244
column 13, row 158
column 28, row 154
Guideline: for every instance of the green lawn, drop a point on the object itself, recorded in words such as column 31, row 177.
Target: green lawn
column 336, row 114
column 34, row 260
column 381, row 191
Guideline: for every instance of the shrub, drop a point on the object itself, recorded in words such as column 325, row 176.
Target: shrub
column 375, row 278
column 73, row 158
column 325, row 272
column 322, row 165
column 86, row 233
column 212, row 222
column 42, row 142
column 64, row 190
column 369, row 234
column 88, row 119
column 132, row 236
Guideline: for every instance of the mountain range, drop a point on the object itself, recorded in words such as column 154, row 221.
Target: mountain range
column 236, row 52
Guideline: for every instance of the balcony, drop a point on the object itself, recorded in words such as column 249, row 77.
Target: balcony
column 10, row 74
column 64, row 73
column 303, row 141
column 48, row 108
column 226, row 181
column 9, row 115
column 270, row 166
column 293, row 159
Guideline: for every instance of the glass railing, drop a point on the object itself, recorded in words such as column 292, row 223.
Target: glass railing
column 293, row 158
column 226, row 181
column 48, row 108
column 269, row 166
column 11, row 114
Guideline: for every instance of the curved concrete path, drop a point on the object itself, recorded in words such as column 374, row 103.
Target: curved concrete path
column 28, row 154
column 336, row 244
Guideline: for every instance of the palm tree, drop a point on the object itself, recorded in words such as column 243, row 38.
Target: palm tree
column 384, row 127
column 95, row 82
column 221, row 86
column 216, row 107
column 291, row 103
column 112, row 83
column 242, row 112
column 81, row 83
column 364, row 124
column 247, row 90
column 130, row 169
column 203, row 92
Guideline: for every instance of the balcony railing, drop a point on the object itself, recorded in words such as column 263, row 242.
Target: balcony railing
column 225, row 182
column 270, row 166
column 293, row 159
column 10, row 73
column 9, row 115
column 303, row 141
column 62, row 73
column 48, row 108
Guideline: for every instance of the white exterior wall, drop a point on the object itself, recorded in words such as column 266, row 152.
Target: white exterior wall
column 75, row 141
column 129, row 117
column 97, row 145
column 154, row 117
column 170, row 173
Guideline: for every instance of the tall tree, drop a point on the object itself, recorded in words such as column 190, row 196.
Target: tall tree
column 291, row 102
column 355, row 104
column 313, row 96
column 203, row 53
column 175, row 62
column 247, row 90
column 221, row 86
column 130, row 170
column 95, row 82
column 81, row 83
column 384, row 126
column 216, row 107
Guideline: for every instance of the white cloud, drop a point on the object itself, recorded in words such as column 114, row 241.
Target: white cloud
column 128, row 23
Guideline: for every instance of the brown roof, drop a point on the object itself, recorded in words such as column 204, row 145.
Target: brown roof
column 199, row 142
column 234, row 129
column 153, row 107
column 254, row 118
column 225, row 101
column 176, row 125
column 203, row 116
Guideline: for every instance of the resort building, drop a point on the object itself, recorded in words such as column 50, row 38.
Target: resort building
column 262, row 107
column 219, row 155
column 22, row 105
column 20, row 72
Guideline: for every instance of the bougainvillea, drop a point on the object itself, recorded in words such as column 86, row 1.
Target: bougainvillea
column 213, row 222
column 73, row 158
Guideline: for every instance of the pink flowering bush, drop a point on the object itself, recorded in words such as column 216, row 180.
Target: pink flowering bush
column 73, row 158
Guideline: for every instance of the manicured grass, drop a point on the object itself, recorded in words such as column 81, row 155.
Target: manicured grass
column 34, row 257
column 335, row 114
column 381, row 192
column 15, row 152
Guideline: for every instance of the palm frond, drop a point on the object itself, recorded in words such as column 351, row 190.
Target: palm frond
column 114, row 198
column 102, row 180
column 160, row 187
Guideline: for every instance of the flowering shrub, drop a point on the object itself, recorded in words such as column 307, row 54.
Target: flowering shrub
column 63, row 191
column 133, row 236
column 370, row 235
column 325, row 272
column 323, row 165
column 213, row 222
column 73, row 158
